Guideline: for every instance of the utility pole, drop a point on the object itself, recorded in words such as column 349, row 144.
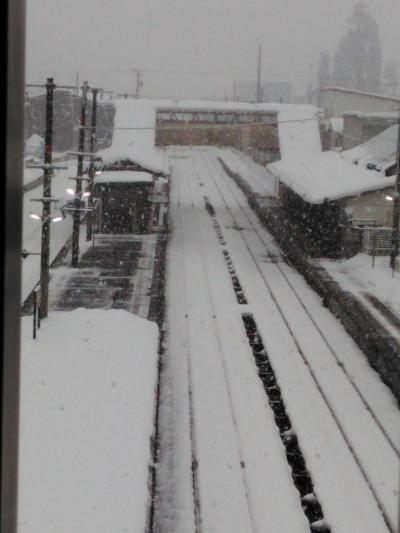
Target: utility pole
column 89, row 221
column 396, row 208
column 139, row 83
column 259, row 97
column 78, row 187
column 47, row 175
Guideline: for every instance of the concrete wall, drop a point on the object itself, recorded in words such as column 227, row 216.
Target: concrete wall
column 337, row 101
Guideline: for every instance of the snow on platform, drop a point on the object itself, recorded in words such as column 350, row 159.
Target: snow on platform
column 260, row 180
column 359, row 276
column 87, row 405
column 218, row 417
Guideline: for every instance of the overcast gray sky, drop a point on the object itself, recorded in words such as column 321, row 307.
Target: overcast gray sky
column 190, row 48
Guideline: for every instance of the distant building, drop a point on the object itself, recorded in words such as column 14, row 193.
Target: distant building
column 34, row 145
column 271, row 92
column 336, row 101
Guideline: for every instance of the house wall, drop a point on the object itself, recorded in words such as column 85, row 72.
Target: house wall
column 359, row 128
column 325, row 230
column 371, row 206
column 337, row 101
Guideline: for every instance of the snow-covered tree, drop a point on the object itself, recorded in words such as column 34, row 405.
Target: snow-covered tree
column 358, row 59
column 391, row 77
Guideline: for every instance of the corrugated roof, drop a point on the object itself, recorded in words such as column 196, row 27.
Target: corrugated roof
column 377, row 154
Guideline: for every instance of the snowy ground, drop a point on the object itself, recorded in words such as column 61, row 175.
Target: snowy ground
column 222, row 462
column 358, row 275
column 87, row 405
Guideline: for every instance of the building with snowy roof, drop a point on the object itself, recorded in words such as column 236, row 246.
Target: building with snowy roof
column 378, row 154
column 122, row 200
column 329, row 201
column 339, row 100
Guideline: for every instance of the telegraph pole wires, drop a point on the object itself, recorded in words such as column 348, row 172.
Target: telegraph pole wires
column 79, row 178
column 89, row 222
column 48, row 170
column 139, row 82
column 48, row 173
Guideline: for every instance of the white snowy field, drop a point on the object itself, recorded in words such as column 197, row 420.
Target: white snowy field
column 87, row 406
column 359, row 275
column 217, row 416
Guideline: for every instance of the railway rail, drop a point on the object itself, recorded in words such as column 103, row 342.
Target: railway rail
column 239, row 216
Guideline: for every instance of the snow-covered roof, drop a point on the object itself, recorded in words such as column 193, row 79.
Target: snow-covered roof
column 206, row 105
column 123, row 176
column 135, row 125
column 298, row 129
column 378, row 153
column 363, row 93
column 35, row 139
column 134, row 137
column 326, row 176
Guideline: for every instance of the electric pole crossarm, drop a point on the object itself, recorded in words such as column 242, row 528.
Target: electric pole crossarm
column 50, row 167
column 78, row 187
column 46, row 201
column 89, row 225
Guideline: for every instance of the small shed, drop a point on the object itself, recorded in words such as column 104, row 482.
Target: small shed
column 328, row 201
column 122, row 201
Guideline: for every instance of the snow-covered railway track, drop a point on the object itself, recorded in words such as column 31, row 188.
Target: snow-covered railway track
column 214, row 404
column 272, row 253
column 358, row 426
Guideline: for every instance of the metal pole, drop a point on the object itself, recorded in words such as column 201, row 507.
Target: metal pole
column 89, row 188
column 78, row 188
column 48, row 172
column 396, row 209
column 34, row 313
column 138, row 83
column 259, row 75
